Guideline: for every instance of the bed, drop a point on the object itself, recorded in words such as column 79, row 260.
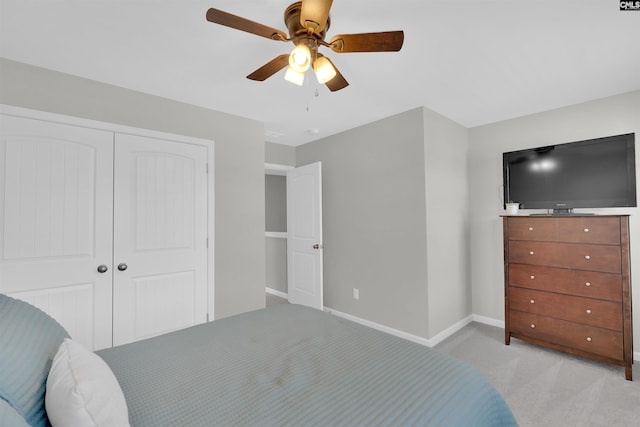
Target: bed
column 290, row 365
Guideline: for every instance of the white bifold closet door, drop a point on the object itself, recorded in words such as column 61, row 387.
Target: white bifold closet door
column 56, row 194
column 160, row 237
column 106, row 232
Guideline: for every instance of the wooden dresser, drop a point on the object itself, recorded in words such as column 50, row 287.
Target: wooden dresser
column 568, row 286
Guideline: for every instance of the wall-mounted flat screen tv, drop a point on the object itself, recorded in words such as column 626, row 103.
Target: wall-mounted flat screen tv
column 595, row 173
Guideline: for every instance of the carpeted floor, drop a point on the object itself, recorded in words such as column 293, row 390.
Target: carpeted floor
column 548, row 388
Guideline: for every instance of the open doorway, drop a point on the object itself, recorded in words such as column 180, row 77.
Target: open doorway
column 293, row 224
column 276, row 233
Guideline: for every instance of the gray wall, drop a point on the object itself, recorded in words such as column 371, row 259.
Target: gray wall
column 279, row 154
column 275, row 203
column 374, row 221
column 239, row 163
column 604, row 117
column 395, row 221
column 276, row 249
column 446, row 151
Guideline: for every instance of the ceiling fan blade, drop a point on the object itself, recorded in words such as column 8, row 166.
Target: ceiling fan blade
column 389, row 41
column 314, row 14
column 270, row 68
column 233, row 21
column 338, row 82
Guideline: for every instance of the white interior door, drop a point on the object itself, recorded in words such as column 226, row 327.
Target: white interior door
column 56, row 195
column 304, row 241
column 160, row 241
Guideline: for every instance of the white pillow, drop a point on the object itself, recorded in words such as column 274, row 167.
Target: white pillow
column 82, row 390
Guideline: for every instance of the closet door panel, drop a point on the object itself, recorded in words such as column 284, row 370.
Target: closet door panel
column 56, row 195
column 160, row 223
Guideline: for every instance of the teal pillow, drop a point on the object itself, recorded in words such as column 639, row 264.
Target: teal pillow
column 9, row 416
column 29, row 339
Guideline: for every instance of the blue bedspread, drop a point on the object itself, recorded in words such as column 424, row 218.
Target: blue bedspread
column 291, row 365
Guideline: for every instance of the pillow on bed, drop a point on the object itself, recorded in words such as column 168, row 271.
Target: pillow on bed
column 9, row 416
column 82, row 390
column 29, row 339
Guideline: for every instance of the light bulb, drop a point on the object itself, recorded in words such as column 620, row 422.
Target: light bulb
column 300, row 58
column 325, row 71
column 293, row 76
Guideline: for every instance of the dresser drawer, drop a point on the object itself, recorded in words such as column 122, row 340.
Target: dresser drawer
column 532, row 228
column 604, row 314
column 604, row 231
column 590, row 339
column 591, row 284
column 537, row 253
column 599, row 285
column 602, row 258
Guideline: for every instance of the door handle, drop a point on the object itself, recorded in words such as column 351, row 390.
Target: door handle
column 102, row 268
column 316, row 246
column 122, row 266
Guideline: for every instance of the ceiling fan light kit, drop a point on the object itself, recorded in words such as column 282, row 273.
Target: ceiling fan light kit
column 293, row 76
column 300, row 58
column 324, row 70
column 308, row 22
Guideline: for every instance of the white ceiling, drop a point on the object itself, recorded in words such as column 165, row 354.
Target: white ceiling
column 474, row 61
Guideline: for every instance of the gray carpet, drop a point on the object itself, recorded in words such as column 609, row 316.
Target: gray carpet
column 548, row 388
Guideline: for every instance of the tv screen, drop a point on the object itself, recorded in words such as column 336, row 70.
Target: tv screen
column 595, row 173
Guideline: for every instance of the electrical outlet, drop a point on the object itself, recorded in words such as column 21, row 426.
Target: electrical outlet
column 356, row 293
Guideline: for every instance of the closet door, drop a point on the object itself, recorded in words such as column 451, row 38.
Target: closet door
column 56, row 195
column 160, row 237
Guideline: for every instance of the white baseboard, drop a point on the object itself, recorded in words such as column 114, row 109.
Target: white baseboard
column 379, row 327
column 429, row 342
column 437, row 338
column 277, row 293
column 488, row 321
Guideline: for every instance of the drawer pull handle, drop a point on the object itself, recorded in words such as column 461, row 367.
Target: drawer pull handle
column 530, row 228
column 533, row 326
column 533, row 277
column 589, row 339
column 588, row 311
column 587, row 257
column 531, row 253
column 587, row 284
column 532, row 301
column 586, row 230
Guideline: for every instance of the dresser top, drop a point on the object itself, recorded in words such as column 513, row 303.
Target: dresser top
column 565, row 216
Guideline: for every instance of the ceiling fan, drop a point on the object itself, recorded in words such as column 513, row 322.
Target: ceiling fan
column 308, row 22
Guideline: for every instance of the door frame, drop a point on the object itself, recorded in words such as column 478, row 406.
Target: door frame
column 113, row 127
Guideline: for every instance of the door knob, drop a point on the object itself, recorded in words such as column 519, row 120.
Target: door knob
column 316, row 246
column 122, row 266
column 102, row 268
